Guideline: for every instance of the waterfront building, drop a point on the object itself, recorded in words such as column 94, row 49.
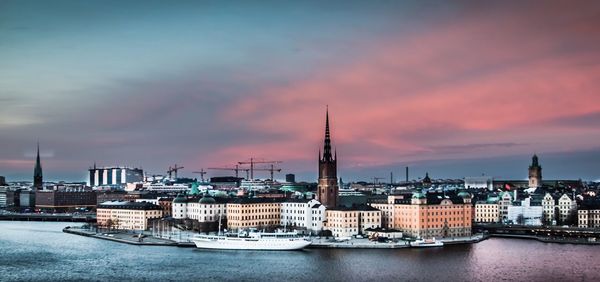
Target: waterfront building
column 327, row 190
column 166, row 203
column 535, row 173
column 588, row 214
column 525, row 213
column 127, row 215
column 65, row 199
column 504, row 201
column 117, row 176
column 567, row 208
column 347, row 222
column 549, row 207
column 303, row 214
column 429, row 215
column 3, row 193
column 205, row 209
column 243, row 213
column 27, row 198
column 38, row 179
column 487, row 211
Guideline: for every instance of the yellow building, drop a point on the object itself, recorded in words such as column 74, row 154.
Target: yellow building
column 487, row 211
column 347, row 222
column 127, row 215
column 429, row 215
column 259, row 213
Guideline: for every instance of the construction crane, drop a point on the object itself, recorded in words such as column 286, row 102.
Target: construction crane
column 202, row 173
column 252, row 162
column 173, row 170
column 376, row 180
column 236, row 169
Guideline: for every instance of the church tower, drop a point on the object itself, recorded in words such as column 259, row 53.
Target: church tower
column 328, row 190
column 535, row 173
column 37, row 172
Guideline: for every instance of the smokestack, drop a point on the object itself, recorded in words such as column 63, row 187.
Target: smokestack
column 391, row 178
column 407, row 174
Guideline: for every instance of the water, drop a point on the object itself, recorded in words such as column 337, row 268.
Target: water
column 38, row 251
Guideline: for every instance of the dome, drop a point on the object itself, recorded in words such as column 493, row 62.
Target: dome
column 464, row 194
column 418, row 195
column 206, row 199
column 179, row 199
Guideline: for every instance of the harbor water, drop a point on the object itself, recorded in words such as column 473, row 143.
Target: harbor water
column 40, row 251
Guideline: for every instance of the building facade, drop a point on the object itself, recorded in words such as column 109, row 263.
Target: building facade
column 429, row 215
column 65, row 199
column 114, row 176
column 243, row 213
column 348, row 222
column 304, row 215
column 525, row 213
column 127, row 215
column 327, row 190
column 487, row 212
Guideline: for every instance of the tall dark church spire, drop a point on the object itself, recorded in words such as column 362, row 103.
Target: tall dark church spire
column 327, row 191
column 37, row 171
column 327, row 144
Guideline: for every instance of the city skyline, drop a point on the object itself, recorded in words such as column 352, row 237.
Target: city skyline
column 454, row 89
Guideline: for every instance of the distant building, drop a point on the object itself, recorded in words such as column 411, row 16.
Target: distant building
column 327, row 190
column 290, row 178
column 127, row 215
column 27, row 198
column 347, row 222
column 535, row 173
column 114, row 176
column 481, row 182
column 38, row 179
column 65, row 199
column 2, row 181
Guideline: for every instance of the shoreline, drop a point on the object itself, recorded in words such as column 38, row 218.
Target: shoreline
column 126, row 238
column 544, row 239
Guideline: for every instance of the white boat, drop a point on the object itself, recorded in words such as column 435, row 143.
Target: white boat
column 279, row 241
column 425, row 243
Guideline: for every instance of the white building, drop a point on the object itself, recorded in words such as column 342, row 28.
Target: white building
column 567, row 209
column 303, row 214
column 479, row 182
column 525, row 213
column 206, row 209
column 549, row 205
column 504, row 201
column 114, row 175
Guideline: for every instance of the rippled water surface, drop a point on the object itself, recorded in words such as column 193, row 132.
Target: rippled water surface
column 39, row 251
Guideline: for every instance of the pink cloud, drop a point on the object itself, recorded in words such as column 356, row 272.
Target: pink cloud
column 489, row 79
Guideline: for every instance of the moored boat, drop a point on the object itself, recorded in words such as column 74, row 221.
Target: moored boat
column 278, row 241
column 425, row 243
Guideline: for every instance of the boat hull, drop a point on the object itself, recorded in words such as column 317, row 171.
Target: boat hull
column 251, row 244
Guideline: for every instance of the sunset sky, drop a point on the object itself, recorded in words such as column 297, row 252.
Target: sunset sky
column 454, row 88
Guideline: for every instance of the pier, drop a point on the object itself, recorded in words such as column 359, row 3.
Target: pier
column 47, row 217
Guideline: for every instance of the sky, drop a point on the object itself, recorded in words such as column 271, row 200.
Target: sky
column 454, row 88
